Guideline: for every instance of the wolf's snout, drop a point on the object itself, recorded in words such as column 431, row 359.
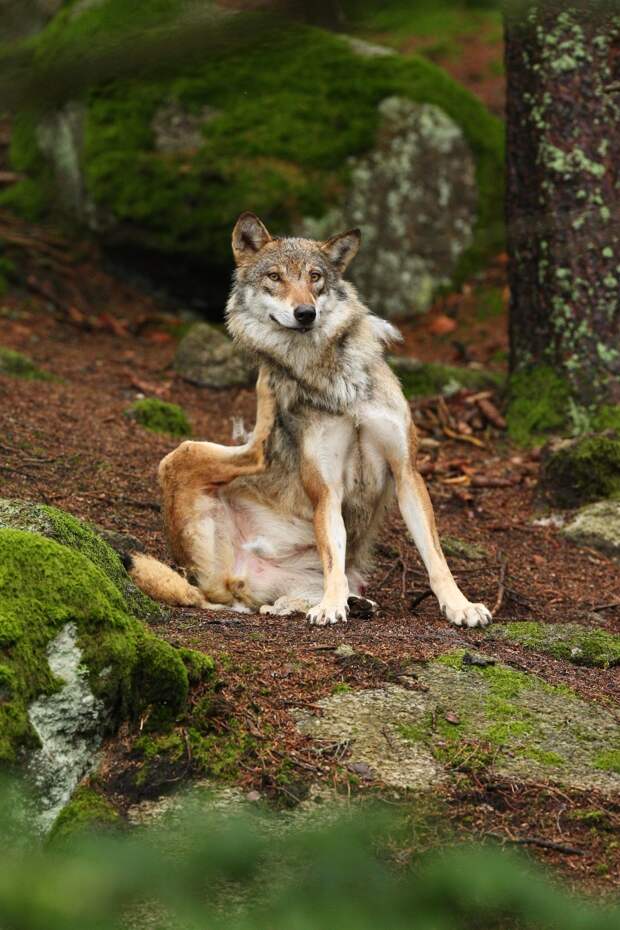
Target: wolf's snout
column 305, row 314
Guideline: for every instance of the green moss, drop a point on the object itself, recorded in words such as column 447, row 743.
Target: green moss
column 199, row 665
column 86, row 812
column 341, row 687
column 43, row 586
column 69, row 531
column 160, row 417
column 538, row 405
column 578, row 644
column 20, row 366
column 161, row 681
column 288, row 112
column 606, row 417
column 500, row 723
column 198, row 751
column 456, row 548
column 582, row 471
column 545, row 758
column 427, row 378
column 608, row 761
column 490, row 303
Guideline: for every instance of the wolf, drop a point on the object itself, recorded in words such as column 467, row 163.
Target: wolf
column 285, row 522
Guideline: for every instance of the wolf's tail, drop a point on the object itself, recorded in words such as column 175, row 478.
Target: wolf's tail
column 161, row 582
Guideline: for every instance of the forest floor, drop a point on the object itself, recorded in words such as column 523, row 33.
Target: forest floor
column 67, row 442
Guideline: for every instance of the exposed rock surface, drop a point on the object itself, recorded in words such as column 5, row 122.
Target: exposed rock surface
column 473, row 716
column 208, row 358
column 69, row 723
column 596, row 525
column 414, row 198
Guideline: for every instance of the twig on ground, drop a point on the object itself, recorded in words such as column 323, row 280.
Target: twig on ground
column 421, row 597
column 501, row 586
column 389, row 572
column 537, row 841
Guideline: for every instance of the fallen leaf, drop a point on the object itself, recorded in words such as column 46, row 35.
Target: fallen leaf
column 441, row 325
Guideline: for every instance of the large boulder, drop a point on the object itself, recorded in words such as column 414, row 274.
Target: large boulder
column 208, row 358
column 596, row 526
column 166, row 163
column 75, row 664
column 63, row 528
column 415, row 198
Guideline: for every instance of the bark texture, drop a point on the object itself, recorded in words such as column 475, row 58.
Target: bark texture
column 563, row 187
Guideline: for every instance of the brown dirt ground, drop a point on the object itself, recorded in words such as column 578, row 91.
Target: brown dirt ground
column 67, row 442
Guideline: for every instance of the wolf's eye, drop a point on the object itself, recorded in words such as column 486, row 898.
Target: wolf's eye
column 315, row 275
column 273, row 276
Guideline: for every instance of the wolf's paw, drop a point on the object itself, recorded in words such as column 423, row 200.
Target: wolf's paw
column 285, row 606
column 467, row 615
column 361, row 608
column 327, row 612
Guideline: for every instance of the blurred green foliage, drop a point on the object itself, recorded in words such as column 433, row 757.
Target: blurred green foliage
column 246, row 872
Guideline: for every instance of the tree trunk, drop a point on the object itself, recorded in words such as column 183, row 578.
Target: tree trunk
column 563, row 193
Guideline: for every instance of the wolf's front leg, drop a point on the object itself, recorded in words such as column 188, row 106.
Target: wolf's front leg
column 326, row 447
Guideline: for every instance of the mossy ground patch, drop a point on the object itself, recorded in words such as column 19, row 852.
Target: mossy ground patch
column 160, row 417
column 578, row 644
column 473, row 718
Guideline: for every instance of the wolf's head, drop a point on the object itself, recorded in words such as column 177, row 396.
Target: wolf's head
column 288, row 287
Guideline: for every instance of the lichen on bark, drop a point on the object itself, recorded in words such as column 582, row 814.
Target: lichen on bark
column 563, row 110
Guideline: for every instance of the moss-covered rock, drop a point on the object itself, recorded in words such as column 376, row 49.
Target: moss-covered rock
column 579, row 471
column 271, row 127
column 578, row 644
column 75, row 664
column 596, row 526
column 20, row 366
column 86, row 812
column 78, row 535
column 428, row 378
column 160, row 417
column 472, row 717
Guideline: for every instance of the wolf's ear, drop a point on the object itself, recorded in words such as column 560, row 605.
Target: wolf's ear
column 249, row 236
column 342, row 249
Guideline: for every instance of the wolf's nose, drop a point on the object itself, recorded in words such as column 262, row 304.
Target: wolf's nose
column 305, row 314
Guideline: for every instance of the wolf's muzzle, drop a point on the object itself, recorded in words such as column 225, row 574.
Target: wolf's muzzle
column 305, row 314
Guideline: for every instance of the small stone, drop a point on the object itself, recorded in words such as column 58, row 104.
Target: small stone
column 344, row 651
column 253, row 796
column 480, row 661
column 451, row 717
column 208, row 358
column 362, row 769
